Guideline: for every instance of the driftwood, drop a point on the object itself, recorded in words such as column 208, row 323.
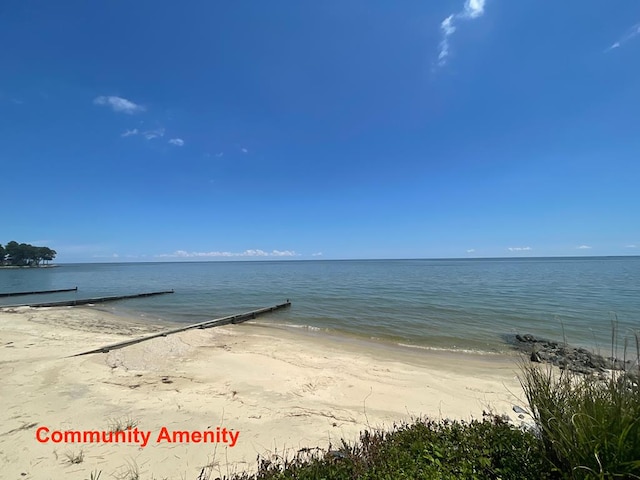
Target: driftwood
column 232, row 319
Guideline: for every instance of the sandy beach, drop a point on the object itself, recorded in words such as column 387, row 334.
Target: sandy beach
column 265, row 389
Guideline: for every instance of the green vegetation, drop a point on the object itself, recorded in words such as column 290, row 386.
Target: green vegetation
column 585, row 427
column 425, row 449
column 589, row 426
column 25, row 255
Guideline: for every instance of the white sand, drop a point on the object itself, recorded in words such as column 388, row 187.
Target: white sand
column 280, row 389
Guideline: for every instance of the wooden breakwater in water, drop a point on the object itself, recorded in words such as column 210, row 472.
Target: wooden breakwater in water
column 231, row 319
column 37, row 292
column 86, row 301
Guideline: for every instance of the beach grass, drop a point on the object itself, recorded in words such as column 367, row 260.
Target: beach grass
column 75, row 457
column 589, row 425
column 122, row 424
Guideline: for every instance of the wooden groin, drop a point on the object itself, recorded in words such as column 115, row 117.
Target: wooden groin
column 38, row 292
column 86, row 301
column 231, row 319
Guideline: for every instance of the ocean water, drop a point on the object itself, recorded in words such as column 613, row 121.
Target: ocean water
column 437, row 304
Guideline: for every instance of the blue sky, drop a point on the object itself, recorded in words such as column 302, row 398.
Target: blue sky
column 152, row 130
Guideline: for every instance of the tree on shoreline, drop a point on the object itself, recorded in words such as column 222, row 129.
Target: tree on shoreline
column 25, row 255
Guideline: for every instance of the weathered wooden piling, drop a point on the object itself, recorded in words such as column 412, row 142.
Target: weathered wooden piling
column 38, row 292
column 232, row 319
column 85, row 301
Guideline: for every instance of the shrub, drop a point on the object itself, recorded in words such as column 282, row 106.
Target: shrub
column 425, row 449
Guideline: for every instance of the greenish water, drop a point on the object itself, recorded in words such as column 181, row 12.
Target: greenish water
column 448, row 304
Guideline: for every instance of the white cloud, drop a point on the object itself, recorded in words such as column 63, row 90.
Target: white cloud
column 447, row 30
column 178, row 142
column 283, row 253
column 629, row 35
column 631, row 246
column 472, row 9
column 219, row 155
column 128, row 133
column 244, row 150
column 246, row 253
column 583, row 247
column 519, row 249
column 471, row 250
column 317, row 254
column 119, row 104
column 151, row 134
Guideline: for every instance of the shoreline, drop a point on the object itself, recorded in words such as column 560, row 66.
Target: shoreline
column 10, row 267
column 391, row 346
column 498, row 348
column 280, row 389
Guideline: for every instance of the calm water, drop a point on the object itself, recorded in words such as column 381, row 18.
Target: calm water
column 451, row 304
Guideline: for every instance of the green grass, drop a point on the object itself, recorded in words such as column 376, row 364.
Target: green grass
column 589, row 425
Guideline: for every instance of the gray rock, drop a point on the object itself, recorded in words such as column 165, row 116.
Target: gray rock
column 567, row 357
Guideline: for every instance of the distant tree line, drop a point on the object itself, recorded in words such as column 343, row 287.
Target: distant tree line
column 25, row 255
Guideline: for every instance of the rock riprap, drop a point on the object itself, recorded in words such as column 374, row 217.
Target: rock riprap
column 565, row 356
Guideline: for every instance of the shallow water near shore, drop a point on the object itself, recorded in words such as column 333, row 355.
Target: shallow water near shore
column 464, row 305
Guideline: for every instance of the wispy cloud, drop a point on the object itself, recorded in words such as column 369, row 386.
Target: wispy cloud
column 128, row 133
column 244, row 150
column 219, row 155
column 447, row 30
column 584, row 247
column 471, row 250
column 151, row 134
column 178, row 142
column 317, row 254
column 631, row 246
column 246, row 253
column 629, row 35
column 519, row 249
column 119, row 104
column 472, row 9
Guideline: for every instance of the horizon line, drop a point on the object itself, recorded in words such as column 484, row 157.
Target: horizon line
column 285, row 259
